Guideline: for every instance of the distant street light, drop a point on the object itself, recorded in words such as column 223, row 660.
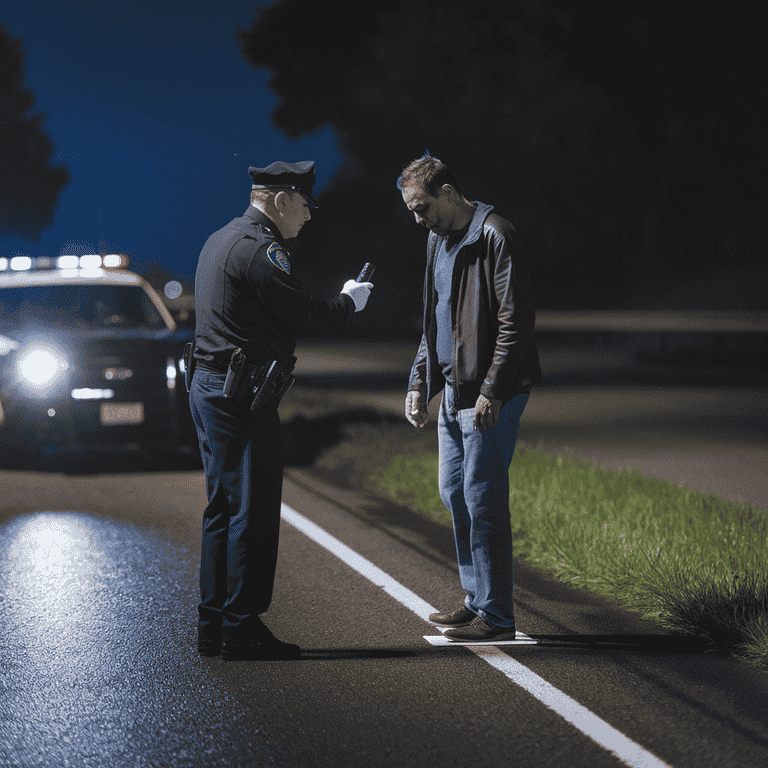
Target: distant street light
column 173, row 289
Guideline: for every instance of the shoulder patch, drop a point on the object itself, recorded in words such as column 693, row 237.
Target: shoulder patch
column 279, row 257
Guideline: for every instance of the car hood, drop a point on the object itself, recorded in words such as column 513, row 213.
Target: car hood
column 91, row 342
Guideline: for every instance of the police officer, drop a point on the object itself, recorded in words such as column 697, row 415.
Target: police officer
column 250, row 304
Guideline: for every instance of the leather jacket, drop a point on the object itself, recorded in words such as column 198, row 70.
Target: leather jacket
column 493, row 314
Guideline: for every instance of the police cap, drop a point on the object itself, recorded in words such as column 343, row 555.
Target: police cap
column 298, row 176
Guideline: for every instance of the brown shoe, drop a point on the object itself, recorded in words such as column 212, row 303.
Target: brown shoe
column 458, row 618
column 480, row 631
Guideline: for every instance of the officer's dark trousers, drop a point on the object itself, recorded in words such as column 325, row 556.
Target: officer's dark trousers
column 243, row 465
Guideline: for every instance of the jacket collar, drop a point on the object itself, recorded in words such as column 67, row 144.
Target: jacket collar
column 475, row 226
column 258, row 217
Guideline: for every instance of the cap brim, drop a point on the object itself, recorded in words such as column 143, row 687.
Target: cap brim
column 311, row 202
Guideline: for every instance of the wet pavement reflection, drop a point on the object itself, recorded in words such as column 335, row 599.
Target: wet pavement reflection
column 99, row 666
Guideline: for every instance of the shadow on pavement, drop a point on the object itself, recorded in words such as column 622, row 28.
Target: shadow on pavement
column 341, row 654
column 627, row 642
column 304, row 439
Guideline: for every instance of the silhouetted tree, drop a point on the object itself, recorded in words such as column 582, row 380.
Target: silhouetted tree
column 619, row 141
column 29, row 185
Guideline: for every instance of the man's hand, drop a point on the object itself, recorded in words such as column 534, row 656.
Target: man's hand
column 486, row 413
column 415, row 409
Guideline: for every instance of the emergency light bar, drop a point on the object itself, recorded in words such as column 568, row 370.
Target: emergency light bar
column 89, row 261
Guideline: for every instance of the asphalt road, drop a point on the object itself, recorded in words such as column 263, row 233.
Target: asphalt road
column 97, row 630
column 98, row 581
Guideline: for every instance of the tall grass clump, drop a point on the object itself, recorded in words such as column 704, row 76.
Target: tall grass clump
column 694, row 562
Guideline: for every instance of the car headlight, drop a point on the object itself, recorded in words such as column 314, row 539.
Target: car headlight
column 40, row 367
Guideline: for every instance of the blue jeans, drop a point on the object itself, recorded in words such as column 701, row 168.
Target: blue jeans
column 242, row 460
column 474, row 486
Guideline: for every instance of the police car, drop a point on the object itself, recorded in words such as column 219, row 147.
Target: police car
column 89, row 359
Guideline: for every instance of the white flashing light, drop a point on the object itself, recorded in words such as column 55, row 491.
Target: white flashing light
column 90, row 261
column 20, row 263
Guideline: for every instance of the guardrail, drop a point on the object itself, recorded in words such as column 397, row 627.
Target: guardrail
column 651, row 321
column 615, row 320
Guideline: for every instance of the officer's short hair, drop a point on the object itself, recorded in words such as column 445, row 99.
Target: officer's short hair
column 427, row 174
column 262, row 196
column 265, row 196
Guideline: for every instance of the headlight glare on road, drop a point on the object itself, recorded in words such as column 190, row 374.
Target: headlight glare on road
column 40, row 367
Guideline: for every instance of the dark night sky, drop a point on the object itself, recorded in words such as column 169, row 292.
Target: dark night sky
column 157, row 117
column 631, row 140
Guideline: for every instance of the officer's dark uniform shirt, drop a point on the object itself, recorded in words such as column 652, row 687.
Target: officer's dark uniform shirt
column 247, row 296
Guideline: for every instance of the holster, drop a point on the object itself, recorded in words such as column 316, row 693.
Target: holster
column 252, row 386
column 189, row 363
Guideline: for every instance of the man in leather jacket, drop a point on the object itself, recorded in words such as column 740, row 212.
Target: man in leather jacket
column 478, row 349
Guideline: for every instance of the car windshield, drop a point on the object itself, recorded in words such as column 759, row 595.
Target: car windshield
column 79, row 306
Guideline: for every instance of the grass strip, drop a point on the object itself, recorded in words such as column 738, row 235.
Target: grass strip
column 693, row 562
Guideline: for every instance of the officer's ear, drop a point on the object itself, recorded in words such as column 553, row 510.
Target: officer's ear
column 281, row 200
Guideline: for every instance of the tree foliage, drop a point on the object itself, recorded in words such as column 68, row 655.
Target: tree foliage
column 620, row 141
column 29, row 185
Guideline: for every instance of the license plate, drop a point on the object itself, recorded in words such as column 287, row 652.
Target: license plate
column 114, row 414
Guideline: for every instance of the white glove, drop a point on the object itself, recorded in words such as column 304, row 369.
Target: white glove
column 358, row 292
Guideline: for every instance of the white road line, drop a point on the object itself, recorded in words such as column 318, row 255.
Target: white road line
column 579, row 716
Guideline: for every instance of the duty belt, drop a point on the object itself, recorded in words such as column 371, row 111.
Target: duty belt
column 253, row 385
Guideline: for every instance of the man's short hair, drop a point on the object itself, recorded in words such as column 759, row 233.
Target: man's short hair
column 427, row 174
